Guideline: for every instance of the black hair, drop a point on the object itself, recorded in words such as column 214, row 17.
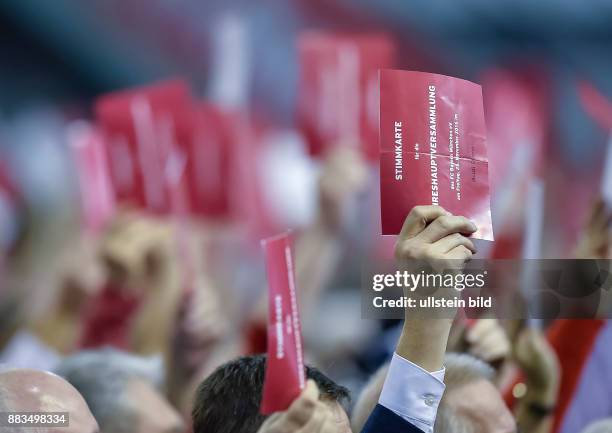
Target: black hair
column 228, row 400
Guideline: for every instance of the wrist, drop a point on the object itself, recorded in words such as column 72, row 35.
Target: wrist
column 540, row 410
column 423, row 342
column 542, row 395
column 328, row 223
column 539, row 406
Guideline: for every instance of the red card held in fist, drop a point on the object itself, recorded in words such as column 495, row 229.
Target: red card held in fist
column 204, row 135
column 138, row 127
column 285, row 373
column 338, row 89
column 432, row 148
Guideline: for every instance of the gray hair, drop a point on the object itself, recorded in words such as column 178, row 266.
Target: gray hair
column 601, row 426
column 368, row 397
column 101, row 376
column 461, row 369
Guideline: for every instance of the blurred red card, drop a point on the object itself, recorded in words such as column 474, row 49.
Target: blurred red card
column 203, row 135
column 606, row 180
column 250, row 203
column 97, row 197
column 516, row 113
column 285, row 373
column 516, row 119
column 338, row 89
column 138, row 125
column 432, row 148
column 600, row 109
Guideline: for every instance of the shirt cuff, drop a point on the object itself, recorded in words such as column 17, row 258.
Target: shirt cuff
column 412, row 392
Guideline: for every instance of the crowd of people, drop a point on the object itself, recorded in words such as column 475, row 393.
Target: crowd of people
column 134, row 296
column 121, row 343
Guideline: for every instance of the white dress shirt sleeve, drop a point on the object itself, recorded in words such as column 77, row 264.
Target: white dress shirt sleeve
column 412, row 392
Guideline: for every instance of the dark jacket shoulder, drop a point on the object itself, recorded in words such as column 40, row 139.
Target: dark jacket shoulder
column 383, row 420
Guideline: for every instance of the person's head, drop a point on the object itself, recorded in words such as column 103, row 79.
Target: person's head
column 23, row 390
column 470, row 404
column 228, row 400
column 121, row 392
column 368, row 398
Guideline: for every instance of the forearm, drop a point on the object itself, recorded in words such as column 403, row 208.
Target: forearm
column 318, row 252
column 423, row 341
column 529, row 421
column 414, row 384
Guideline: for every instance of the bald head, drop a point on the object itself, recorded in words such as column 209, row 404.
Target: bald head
column 24, row 390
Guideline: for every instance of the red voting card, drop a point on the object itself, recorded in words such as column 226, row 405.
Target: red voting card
column 338, row 89
column 432, row 148
column 285, row 373
column 204, row 136
column 250, row 205
column 97, row 197
column 138, row 126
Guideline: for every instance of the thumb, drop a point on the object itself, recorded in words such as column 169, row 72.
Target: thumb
column 311, row 391
column 303, row 407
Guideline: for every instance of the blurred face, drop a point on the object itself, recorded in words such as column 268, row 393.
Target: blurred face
column 342, row 419
column 482, row 403
column 154, row 413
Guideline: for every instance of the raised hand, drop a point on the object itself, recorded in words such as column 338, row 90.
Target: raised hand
column 305, row 415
